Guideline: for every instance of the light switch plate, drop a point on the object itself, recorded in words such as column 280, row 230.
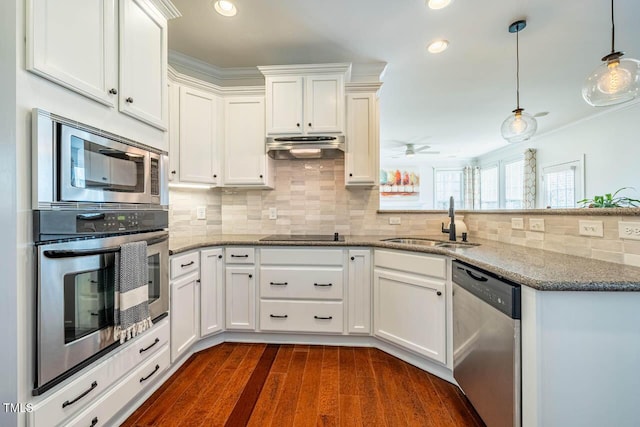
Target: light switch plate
column 591, row 228
column 395, row 220
column 536, row 224
column 629, row 230
column 201, row 212
column 273, row 213
column 517, row 223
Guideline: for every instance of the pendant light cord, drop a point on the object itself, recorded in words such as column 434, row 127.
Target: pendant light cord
column 613, row 30
column 518, row 70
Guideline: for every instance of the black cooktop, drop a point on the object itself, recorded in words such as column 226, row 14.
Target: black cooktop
column 303, row 238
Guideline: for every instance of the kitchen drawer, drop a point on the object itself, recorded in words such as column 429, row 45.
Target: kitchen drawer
column 239, row 255
column 309, row 257
column 301, row 282
column 124, row 392
column 51, row 411
column 184, row 264
column 301, row 316
column 427, row 265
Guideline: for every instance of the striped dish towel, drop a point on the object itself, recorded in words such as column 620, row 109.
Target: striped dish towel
column 131, row 304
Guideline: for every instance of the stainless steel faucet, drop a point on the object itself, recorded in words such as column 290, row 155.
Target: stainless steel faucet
column 452, row 226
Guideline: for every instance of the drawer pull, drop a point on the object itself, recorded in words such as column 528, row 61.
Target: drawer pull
column 149, row 376
column 187, row 264
column 142, row 350
column 67, row 403
column 239, row 256
column 278, row 283
column 94, row 422
column 275, row 316
column 323, row 284
column 323, row 318
column 438, row 293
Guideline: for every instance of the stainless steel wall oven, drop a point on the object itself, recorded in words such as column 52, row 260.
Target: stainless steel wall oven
column 92, row 193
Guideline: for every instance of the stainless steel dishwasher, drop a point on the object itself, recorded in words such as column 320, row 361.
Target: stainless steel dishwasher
column 486, row 344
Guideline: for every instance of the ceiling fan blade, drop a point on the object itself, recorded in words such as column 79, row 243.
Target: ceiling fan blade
column 421, row 149
column 541, row 114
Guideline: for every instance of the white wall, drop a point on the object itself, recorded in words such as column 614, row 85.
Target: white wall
column 8, row 257
column 609, row 140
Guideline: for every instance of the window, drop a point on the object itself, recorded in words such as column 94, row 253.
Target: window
column 562, row 184
column 448, row 183
column 514, row 184
column 489, row 188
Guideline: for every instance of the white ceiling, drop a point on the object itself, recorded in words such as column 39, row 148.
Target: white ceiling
column 454, row 101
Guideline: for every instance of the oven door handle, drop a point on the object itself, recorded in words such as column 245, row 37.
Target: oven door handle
column 89, row 252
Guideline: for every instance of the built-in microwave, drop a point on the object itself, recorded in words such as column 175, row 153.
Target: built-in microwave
column 75, row 164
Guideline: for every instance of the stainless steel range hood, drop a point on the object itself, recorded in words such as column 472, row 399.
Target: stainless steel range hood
column 305, row 147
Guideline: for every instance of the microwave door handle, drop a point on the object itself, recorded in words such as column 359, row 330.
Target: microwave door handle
column 89, row 252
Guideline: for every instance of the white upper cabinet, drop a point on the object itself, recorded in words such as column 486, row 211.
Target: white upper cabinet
column 80, row 54
column 143, row 62
column 245, row 159
column 198, row 136
column 361, row 157
column 305, row 100
column 75, row 44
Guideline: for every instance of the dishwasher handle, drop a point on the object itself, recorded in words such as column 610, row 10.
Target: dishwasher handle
column 474, row 277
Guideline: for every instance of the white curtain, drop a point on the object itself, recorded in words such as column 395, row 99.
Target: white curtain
column 529, row 197
column 471, row 187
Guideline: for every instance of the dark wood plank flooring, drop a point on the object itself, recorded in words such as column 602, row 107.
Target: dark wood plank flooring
column 300, row 385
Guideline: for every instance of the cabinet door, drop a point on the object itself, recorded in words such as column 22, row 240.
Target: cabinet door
column 79, row 54
column 410, row 311
column 143, row 62
column 184, row 314
column 324, row 104
column 211, row 282
column 240, row 290
column 245, row 159
column 284, row 109
column 361, row 158
column 174, row 132
column 199, row 156
column 359, row 291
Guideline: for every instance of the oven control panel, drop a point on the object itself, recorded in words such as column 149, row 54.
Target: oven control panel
column 55, row 225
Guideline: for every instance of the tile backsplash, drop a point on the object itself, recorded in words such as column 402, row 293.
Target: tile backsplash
column 310, row 198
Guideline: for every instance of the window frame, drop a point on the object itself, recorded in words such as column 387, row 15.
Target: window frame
column 459, row 205
column 579, row 179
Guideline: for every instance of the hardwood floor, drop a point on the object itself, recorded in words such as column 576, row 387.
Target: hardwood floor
column 298, row 385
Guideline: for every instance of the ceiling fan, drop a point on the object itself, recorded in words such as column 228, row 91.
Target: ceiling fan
column 410, row 150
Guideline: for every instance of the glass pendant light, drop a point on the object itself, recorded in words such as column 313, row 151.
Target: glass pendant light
column 616, row 80
column 519, row 126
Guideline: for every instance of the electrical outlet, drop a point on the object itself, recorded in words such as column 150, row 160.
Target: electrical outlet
column 201, row 212
column 517, row 223
column 629, row 230
column 536, row 224
column 273, row 213
column 395, row 220
column 591, row 228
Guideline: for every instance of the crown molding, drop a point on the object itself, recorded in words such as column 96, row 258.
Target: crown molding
column 336, row 68
column 368, row 72
column 361, row 87
column 239, row 76
column 196, row 83
column 166, row 8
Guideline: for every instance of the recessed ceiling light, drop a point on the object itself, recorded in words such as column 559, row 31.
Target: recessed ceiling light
column 438, row 46
column 438, row 4
column 225, row 8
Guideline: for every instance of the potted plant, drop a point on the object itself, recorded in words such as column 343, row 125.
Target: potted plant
column 610, row 201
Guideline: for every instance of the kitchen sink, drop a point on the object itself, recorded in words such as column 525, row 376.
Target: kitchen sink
column 429, row 242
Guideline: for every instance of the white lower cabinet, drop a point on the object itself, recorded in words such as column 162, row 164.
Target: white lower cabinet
column 359, row 291
column 88, row 388
column 409, row 310
column 185, row 313
column 301, row 316
column 211, row 298
column 240, row 293
column 99, row 413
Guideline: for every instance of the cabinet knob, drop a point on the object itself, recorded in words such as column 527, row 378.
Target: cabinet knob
column 113, row 91
column 173, row 172
column 438, row 293
column 250, row 276
column 129, row 100
column 260, row 176
column 353, row 258
column 219, row 256
column 215, row 176
column 350, row 174
column 309, row 124
column 298, row 124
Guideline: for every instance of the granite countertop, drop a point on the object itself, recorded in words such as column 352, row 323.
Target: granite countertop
column 535, row 268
